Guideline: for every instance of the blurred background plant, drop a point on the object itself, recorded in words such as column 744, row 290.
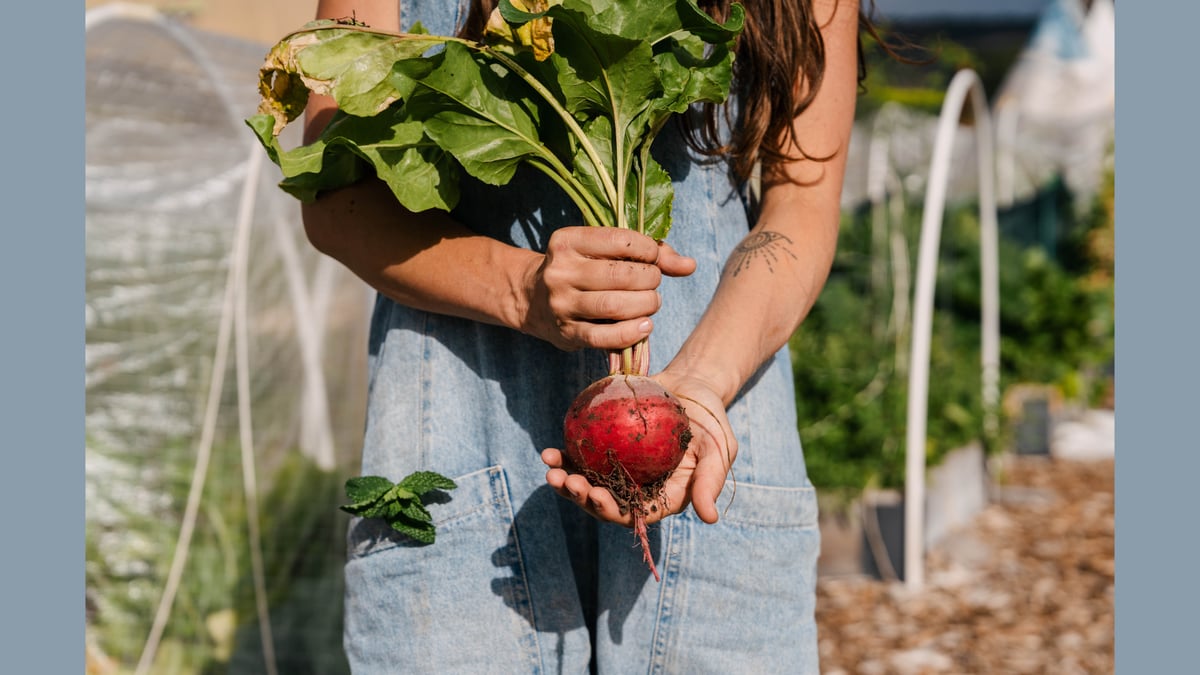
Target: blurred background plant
column 1057, row 328
column 214, row 626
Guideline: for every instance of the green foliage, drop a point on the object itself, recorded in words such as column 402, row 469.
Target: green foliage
column 584, row 107
column 925, row 56
column 304, row 550
column 397, row 504
column 129, row 555
column 851, row 375
column 213, row 626
column 916, row 75
column 850, row 357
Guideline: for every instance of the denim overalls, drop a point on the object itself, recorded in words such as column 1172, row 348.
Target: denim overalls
column 519, row 580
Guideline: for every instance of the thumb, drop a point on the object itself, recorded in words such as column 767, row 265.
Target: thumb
column 672, row 263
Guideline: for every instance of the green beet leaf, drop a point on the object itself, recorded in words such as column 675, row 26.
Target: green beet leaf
column 420, row 109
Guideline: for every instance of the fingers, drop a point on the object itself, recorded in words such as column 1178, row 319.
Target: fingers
column 590, row 274
column 607, row 335
column 606, row 242
column 597, row 287
column 608, row 306
column 596, row 501
column 672, row 263
column 598, row 262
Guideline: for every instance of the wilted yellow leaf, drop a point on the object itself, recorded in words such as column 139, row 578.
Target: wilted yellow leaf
column 535, row 34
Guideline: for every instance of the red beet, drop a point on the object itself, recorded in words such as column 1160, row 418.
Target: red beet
column 627, row 433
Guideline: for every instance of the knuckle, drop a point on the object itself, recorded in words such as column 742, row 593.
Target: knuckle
column 561, row 241
column 553, row 276
column 630, row 275
column 589, row 337
column 560, row 307
column 569, row 340
column 616, row 273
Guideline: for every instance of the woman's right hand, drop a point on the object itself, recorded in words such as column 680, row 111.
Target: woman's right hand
column 596, row 287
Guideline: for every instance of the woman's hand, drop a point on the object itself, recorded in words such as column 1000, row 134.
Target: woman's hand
column 697, row 480
column 597, row 287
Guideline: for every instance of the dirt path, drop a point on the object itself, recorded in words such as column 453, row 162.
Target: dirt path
column 1027, row 588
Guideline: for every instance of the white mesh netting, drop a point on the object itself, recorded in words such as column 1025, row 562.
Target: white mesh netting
column 224, row 371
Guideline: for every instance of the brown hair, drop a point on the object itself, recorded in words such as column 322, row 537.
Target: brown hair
column 778, row 68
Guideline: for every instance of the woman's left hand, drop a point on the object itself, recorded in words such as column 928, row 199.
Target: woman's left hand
column 697, row 480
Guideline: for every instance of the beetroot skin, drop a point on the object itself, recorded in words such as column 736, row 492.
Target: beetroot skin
column 627, row 433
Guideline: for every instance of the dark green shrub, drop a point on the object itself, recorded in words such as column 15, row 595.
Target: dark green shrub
column 850, row 356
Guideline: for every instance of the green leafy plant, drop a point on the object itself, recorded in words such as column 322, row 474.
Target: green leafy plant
column 214, row 623
column 582, row 103
column 397, row 504
column 851, row 384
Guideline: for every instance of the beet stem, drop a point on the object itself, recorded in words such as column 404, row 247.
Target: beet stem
column 633, row 360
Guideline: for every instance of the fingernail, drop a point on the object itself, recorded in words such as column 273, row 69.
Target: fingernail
column 645, row 326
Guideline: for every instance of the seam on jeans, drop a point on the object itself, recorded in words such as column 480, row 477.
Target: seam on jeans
column 671, row 565
column 423, row 431
column 500, row 482
column 747, row 430
column 805, row 517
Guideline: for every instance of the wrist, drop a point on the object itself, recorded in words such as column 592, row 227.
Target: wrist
column 522, row 289
column 705, row 372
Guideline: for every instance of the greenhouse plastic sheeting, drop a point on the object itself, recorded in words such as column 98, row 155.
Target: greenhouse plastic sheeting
column 225, row 365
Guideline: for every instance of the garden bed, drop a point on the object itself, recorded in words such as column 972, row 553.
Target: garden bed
column 1025, row 587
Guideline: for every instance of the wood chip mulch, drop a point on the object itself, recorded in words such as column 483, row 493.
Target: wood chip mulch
column 1026, row 588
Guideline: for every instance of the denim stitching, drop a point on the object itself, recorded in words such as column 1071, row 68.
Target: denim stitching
column 521, row 596
column 423, row 429
column 671, row 563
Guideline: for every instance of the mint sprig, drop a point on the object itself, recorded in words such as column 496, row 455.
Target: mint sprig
column 397, row 504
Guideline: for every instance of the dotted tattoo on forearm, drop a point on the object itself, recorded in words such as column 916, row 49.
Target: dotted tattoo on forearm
column 766, row 245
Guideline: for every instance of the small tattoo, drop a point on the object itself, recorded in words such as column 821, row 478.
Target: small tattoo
column 768, row 245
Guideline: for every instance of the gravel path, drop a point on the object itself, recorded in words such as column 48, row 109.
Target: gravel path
column 1026, row 588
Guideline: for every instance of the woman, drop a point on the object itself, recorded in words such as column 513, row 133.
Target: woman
column 490, row 319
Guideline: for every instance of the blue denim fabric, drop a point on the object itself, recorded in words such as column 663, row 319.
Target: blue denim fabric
column 519, row 580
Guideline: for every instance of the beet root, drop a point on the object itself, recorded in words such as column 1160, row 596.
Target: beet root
column 627, row 433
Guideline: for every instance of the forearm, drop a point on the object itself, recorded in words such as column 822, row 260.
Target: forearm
column 768, row 286
column 426, row 261
column 773, row 278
